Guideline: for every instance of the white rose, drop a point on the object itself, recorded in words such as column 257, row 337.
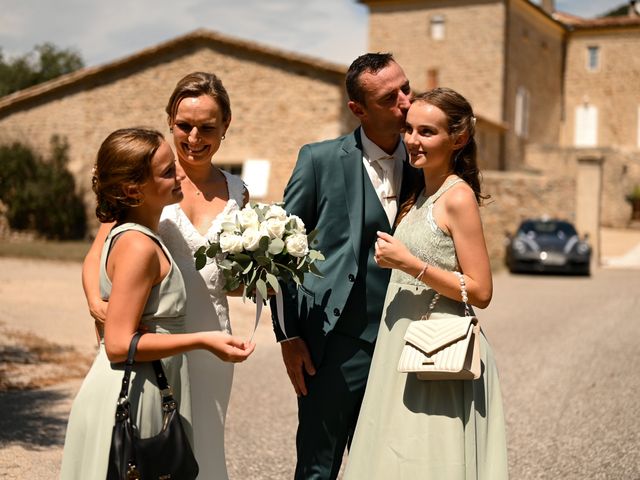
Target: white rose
column 274, row 227
column 251, row 239
column 276, row 211
column 230, row 242
column 248, row 218
column 297, row 245
column 225, row 223
column 298, row 224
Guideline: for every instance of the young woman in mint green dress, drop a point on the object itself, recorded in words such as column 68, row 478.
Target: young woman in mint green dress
column 135, row 178
column 408, row 428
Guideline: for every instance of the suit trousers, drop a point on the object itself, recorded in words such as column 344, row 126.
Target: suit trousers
column 327, row 415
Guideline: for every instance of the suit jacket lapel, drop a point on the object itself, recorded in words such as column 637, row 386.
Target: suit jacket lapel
column 353, row 176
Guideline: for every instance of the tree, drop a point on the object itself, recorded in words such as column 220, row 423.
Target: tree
column 43, row 63
column 40, row 195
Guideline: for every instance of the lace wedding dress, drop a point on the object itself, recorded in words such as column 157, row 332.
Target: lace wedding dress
column 207, row 309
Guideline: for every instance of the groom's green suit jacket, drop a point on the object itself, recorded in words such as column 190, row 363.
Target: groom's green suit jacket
column 326, row 191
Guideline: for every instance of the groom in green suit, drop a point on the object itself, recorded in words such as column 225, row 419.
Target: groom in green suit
column 348, row 189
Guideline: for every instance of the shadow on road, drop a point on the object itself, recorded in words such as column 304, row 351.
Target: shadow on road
column 29, row 420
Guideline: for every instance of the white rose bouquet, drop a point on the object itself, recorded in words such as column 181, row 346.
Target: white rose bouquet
column 258, row 245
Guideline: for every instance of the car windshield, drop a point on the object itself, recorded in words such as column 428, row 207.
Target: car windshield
column 547, row 229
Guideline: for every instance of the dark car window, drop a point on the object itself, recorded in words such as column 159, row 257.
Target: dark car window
column 551, row 228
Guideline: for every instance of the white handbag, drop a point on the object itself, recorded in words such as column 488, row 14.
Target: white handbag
column 444, row 348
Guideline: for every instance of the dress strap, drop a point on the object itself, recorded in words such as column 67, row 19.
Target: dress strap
column 445, row 186
column 236, row 187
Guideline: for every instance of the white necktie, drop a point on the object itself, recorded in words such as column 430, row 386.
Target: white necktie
column 389, row 200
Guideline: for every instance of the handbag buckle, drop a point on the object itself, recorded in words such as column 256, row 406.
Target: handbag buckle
column 132, row 472
column 166, row 392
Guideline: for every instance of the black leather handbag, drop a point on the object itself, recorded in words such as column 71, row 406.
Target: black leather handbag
column 167, row 455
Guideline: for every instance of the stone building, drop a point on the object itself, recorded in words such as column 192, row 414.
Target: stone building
column 279, row 102
column 565, row 88
column 556, row 98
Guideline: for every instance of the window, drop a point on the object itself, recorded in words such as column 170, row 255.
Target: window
column 255, row 173
column 586, row 126
column 437, row 27
column 522, row 112
column 593, row 58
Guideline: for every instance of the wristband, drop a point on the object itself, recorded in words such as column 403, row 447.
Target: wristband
column 424, row 269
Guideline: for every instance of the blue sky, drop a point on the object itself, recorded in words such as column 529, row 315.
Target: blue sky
column 103, row 31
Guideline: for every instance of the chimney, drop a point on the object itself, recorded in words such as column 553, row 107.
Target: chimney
column 548, row 6
column 634, row 8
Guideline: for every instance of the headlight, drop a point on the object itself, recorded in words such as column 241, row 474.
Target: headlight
column 582, row 248
column 519, row 246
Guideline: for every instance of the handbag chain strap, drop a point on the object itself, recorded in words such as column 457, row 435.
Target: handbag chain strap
column 168, row 402
column 465, row 298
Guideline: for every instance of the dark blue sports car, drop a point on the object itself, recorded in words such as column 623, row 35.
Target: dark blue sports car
column 547, row 245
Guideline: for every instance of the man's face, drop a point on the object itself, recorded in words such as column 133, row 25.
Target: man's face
column 387, row 98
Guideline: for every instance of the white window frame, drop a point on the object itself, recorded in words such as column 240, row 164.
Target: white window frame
column 437, row 27
column 586, row 126
column 594, row 59
column 256, row 174
column 521, row 121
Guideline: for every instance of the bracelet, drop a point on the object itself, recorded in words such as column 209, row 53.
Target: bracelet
column 424, row 269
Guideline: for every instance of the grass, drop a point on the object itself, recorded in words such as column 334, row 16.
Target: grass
column 71, row 251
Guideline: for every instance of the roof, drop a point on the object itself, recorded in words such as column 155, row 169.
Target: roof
column 578, row 23
column 200, row 36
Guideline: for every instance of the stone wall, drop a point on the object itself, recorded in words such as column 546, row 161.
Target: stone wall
column 519, row 195
column 470, row 57
column 534, row 63
column 620, row 174
column 612, row 88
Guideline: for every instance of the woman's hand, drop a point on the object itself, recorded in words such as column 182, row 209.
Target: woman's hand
column 228, row 347
column 392, row 253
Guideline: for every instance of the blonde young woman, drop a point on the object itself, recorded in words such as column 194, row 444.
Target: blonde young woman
column 410, row 428
column 135, row 179
column 198, row 115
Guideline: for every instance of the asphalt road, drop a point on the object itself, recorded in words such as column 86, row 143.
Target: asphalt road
column 566, row 349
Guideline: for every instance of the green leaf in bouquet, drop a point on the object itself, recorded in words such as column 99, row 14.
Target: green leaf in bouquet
column 232, row 283
column 311, row 236
column 315, row 256
column 242, row 258
column 262, row 260
column 262, row 287
column 225, row 264
column 247, row 268
column 288, row 269
column 313, row 269
column 200, row 251
column 201, row 261
column 213, row 250
column 263, row 245
column 276, row 246
column 273, row 281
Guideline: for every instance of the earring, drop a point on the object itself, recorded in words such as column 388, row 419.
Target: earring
column 223, row 137
column 170, row 129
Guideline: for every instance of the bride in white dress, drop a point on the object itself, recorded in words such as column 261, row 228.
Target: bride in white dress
column 199, row 114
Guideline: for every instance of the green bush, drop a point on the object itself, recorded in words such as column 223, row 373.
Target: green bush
column 40, row 195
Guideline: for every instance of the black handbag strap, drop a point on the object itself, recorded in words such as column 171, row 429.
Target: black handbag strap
column 168, row 402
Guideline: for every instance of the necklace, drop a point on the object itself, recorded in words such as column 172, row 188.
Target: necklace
column 210, row 182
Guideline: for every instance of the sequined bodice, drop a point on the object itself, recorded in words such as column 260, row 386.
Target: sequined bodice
column 424, row 239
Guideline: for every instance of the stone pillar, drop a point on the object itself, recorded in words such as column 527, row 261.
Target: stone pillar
column 589, row 200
